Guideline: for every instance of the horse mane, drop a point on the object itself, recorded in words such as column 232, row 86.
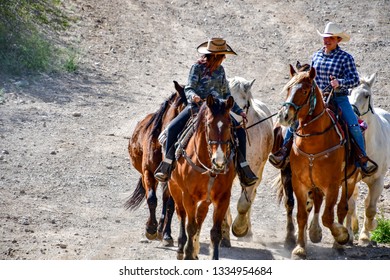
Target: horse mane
column 294, row 80
column 157, row 117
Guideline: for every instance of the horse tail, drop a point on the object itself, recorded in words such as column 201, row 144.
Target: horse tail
column 277, row 183
column 134, row 201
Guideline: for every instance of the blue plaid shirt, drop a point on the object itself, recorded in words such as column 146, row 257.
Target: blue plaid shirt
column 337, row 63
column 200, row 82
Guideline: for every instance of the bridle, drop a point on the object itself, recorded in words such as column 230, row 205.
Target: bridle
column 311, row 100
column 369, row 108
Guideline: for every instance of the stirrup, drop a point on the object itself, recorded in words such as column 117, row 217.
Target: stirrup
column 279, row 159
column 365, row 169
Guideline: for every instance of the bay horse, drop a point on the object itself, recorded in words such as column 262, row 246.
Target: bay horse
column 318, row 159
column 145, row 153
column 204, row 175
column 377, row 138
column 259, row 145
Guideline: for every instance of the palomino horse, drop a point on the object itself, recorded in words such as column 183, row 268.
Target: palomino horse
column 204, row 175
column 318, row 158
column 377, row 138
column 145, row 154
column 259, row 145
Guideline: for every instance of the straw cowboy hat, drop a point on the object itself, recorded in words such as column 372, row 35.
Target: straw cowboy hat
column 333, row 30
column 215, row 46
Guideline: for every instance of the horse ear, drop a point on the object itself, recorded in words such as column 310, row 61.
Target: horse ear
column 371, row 80
column 292, row 71
column 210, row 100
column 298, row 65
column 252, row 82
column 312, row 73
column 229, row 102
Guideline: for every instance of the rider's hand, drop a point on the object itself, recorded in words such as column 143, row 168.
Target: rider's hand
column 334, row 82
column 196, row 98
column 243, row 115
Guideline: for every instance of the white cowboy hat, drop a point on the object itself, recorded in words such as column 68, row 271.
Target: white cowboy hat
column 216, row 46
column 333, row 30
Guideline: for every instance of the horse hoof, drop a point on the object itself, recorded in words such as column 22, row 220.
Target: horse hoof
column 180, row 256
column 298, row 253
column 315, row 236
column 168, row 242
column 151, row 236
column 226, row 243
column 239, row 234
column 343, row 238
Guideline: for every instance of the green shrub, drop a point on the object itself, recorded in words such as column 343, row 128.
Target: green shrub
column 27, row 37
column 382, row 233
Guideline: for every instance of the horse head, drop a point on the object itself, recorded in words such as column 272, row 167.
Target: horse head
column 218, row 131
column 361, row 96
column 301, row 96
column 240, row 89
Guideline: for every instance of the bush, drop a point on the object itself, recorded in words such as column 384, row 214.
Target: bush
column 25, row 29
column 382, row 233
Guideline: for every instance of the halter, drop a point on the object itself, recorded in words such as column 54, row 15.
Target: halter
column 369, row 109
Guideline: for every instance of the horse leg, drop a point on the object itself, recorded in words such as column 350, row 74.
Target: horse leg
column 299, row 251
column 288, row 194
column 226, row 225
column 240, row 225
column 150, row 185
column 181, row 213
column 375, row 189
column 164, row 225
column 220, row 208
column 343, row 206
column 201, row 213
column 191, row 228
column 315, row 231
column 352, row 222
column 339, row 232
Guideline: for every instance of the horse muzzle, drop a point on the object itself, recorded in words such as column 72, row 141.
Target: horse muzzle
column 286, row 116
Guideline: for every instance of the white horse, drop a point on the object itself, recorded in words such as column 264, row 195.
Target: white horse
column 259, row 144
column 377, row 138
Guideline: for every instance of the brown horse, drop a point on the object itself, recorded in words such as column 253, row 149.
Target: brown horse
column 318, row 160
column 204, row 175
column 145, row 154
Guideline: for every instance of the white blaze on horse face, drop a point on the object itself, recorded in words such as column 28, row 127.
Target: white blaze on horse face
column 219, row 156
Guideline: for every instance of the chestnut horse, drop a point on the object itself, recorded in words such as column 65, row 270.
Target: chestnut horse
column 318, row 158
column 146, row 154
column 204, row 175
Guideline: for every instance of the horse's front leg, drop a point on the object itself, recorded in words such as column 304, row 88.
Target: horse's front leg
column 220, row 207
column 226, row 225
column 339, row 232
column 192, row 228
column 315, row 231
column 375, row 189
column 299, row 251
column 240, row 227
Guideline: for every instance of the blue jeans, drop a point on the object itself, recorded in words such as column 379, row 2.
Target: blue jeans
column 348, row 116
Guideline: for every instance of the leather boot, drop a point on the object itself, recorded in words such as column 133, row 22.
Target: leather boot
column 279, row 159
column 245, row 173
column 164, row 170
column 364, row 168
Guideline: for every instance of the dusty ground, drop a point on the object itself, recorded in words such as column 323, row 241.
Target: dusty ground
column 64, row 168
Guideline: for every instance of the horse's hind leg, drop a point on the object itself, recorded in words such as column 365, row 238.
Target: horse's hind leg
column 315, row 231
column 288, row 194
column 375, row 189
column 150, row 185
column 226, row 225
column 164, row 225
